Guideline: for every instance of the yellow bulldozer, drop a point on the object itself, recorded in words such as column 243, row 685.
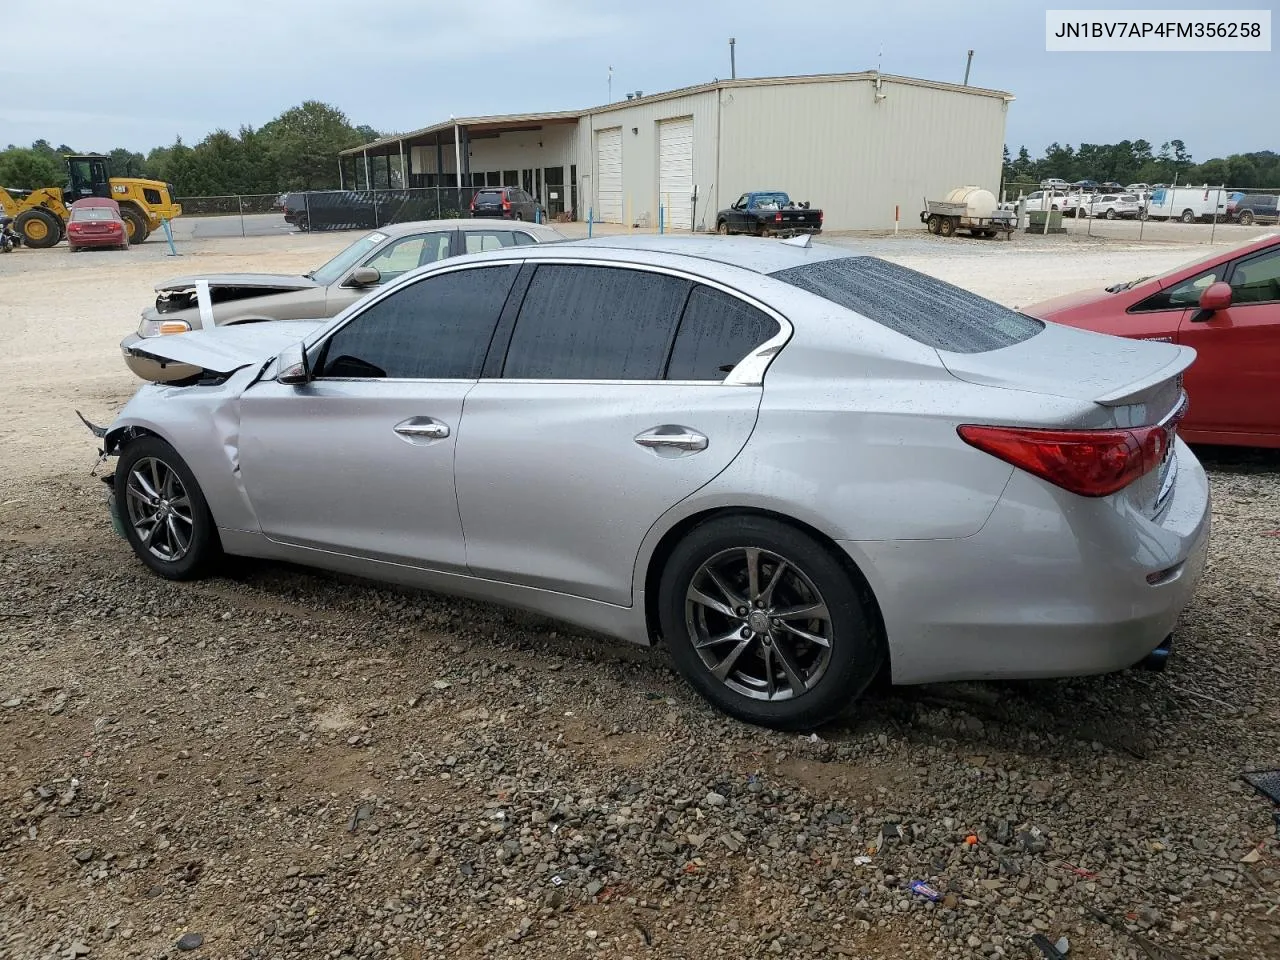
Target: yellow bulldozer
column 40, row 216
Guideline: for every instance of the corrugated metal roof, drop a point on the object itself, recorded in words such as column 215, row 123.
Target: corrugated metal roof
column 514, row 119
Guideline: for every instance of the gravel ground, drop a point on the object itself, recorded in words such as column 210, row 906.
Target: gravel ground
column 281, row 763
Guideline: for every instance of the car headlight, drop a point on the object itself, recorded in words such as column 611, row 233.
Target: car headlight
column 158, row 328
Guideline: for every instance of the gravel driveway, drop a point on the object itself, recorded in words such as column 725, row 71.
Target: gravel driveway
column 281, row 763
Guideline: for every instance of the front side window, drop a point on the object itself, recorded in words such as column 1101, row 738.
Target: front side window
column 409, row 253
column 436, row 329
column 1180, row 295
column 1257, row 280
column 716, row 332
column 595, row 323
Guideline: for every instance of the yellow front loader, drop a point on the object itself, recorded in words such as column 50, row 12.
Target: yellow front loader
column 40, row 216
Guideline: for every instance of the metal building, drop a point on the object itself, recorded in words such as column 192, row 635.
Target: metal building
column 859, row 145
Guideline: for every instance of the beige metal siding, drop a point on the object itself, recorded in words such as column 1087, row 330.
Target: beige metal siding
column 835, row 145
column 639, row 126
column 675, row 171
column 609, row 169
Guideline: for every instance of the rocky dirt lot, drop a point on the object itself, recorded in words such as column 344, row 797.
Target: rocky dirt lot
column 280, row 763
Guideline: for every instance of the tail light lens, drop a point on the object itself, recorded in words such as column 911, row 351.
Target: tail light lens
column 1091, row 463
column 819, row 216
column 473, row 200
column 777, row 217
column 506, row 202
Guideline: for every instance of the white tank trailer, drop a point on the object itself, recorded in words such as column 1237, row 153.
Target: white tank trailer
column 968, row 208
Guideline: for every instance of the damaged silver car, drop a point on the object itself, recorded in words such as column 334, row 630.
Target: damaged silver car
column 193, row 303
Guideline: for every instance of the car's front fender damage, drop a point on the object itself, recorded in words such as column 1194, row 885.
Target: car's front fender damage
column 201, row 421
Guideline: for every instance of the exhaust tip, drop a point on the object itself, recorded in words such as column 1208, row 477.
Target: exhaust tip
column 1158, row 659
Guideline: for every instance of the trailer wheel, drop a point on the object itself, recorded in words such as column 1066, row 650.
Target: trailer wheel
column 932, row 223
column 947, row 226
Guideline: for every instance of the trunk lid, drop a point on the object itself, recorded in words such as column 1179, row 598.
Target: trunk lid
column 223, row 350
column 1136, row 382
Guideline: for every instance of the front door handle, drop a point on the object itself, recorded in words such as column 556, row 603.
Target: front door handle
column 672, row 437
column 422, row 428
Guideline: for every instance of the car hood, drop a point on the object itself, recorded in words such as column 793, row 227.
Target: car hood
column 1049, row 309
column 268, row 281
column 1065, row 362
column 223, row 350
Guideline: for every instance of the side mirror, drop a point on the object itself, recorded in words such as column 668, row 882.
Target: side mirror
column 1216, row 297
column 291, row 365
column 365, row 277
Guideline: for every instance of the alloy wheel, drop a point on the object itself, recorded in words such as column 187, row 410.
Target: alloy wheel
column 159, row 509
column 759, row 624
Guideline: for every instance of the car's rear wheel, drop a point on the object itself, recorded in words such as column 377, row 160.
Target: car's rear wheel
column 1188, row 216
column 1246, row 218
column 722, row 228
column 165, row 516
column 766, row 623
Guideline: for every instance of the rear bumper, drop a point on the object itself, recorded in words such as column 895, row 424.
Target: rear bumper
column 1052, row 586
column 98, row 239
column 492, row 214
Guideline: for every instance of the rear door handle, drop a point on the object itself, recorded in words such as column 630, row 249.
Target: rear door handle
column 422, row 428
column 672, row 437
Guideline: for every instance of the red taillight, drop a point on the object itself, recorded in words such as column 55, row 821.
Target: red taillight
column 506, row 202
column 1091, row 463
column 819, row 216
column 473, row 201
column 777, row 217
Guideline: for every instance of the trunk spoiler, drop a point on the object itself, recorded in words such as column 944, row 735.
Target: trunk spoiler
column 1138, row 389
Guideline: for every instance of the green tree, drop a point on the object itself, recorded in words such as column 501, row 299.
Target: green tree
column 305, row 142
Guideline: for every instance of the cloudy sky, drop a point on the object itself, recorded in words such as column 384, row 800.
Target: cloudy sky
column 137, row 73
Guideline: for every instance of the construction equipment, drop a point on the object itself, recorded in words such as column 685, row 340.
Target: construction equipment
column 40, row 216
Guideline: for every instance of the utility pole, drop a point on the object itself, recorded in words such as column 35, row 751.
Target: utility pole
column 733, row 66
column 968, row 64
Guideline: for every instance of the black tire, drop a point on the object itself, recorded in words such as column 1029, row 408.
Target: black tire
column 136, row 227
column 854, row 654
column 947, row 226
column 1246, row 218
column 203, row 546
column 933, row 223
column 722, row 228
column 1188, row 216
column 1111, row 214
column 46, row 227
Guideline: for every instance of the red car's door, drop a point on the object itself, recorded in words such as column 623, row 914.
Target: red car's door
column 1234, row 385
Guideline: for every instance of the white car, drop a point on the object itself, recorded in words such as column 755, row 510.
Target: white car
column 1035, row 200
column 1115, row 206
column 1053, row 183
column 1138, row 188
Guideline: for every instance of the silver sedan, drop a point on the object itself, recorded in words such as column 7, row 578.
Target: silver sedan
column 794, row 466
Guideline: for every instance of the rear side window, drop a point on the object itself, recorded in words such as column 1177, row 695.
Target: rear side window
column 595, row 323
column 913, row 304
column 716, row 332
column 437, row 328
column 478, row 241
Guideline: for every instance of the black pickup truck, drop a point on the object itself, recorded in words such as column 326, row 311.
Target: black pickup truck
column 768, row 213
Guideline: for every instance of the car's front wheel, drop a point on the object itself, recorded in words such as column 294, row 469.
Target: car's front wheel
column 164, row 513
column 767, row 624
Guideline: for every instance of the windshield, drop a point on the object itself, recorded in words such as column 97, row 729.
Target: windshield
column 348, row 258
column 770, row 201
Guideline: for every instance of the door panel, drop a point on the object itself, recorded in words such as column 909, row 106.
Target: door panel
column 609, row 175
column 556, row 492
column 675, row 171
column 1234, row 385
column 325, row 466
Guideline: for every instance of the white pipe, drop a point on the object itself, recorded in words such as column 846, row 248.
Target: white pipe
column 457, row 156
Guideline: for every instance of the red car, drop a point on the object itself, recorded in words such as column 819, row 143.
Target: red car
column 1226, row 306
column 96, row 222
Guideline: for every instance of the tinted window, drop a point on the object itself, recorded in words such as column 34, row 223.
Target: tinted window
column 1257, row 280
column 438, row 328
column 93, row 213
column 489, row 196
column 1181, row 295
column 716, row 332
column 595, row 323
column 913, row 304
column 523, row 239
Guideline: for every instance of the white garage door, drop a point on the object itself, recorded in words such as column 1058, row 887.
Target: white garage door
column 675, row 171
column 609, row 175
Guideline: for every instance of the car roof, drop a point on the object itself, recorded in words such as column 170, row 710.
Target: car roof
column 758, row 255
column 95, row 202
column 417, row 226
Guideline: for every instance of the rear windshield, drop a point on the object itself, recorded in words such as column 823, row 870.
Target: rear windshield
column 489, row 196
column 913, row 304
column 93, row 213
